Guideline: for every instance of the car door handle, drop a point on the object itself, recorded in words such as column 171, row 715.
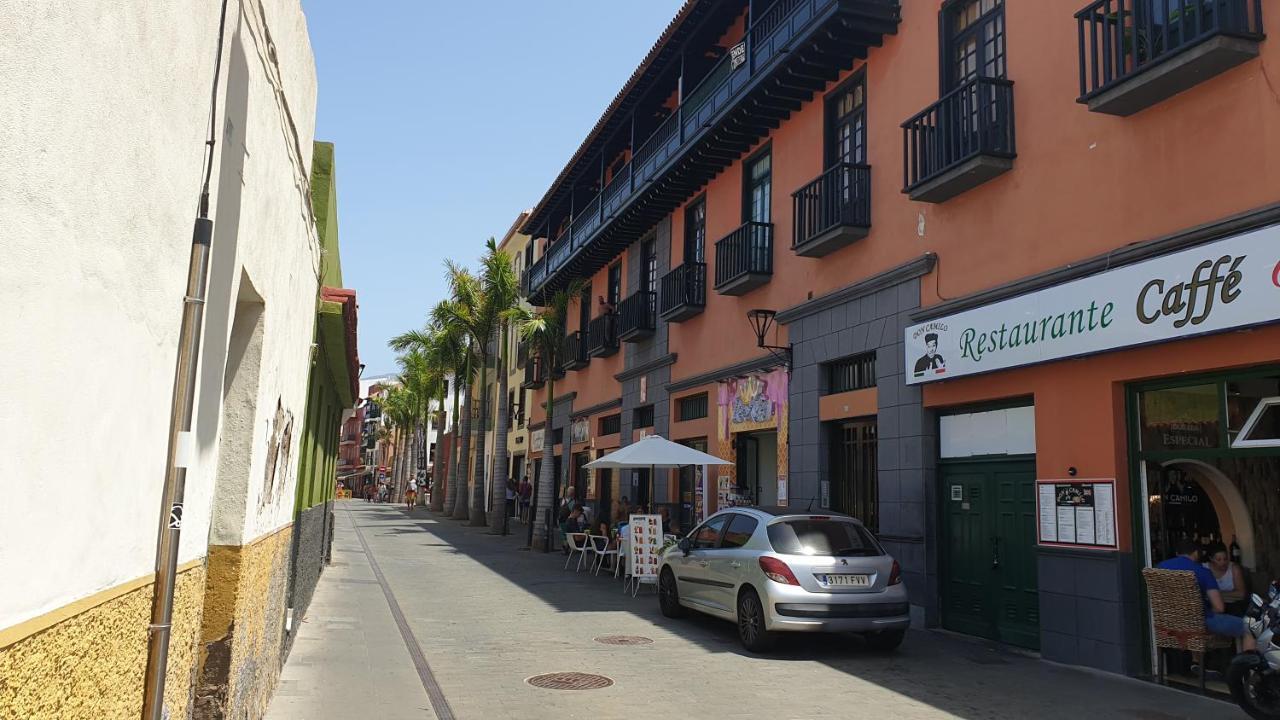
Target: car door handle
column 703, row 563
column 735, row 564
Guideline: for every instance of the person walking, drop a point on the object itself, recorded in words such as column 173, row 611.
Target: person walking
column 411, row 494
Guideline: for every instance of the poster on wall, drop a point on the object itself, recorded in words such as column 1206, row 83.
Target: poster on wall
column 1223, row 285
column 700, row 495
column 1077, row 513
column 645, row 545
column 579, row 431
column 782, row 490
column 535, row 441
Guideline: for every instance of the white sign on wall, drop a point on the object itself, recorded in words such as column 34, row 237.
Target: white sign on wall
column 536, row 440
column 1218, row 286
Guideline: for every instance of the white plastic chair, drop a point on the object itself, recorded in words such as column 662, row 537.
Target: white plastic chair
column 600, row 548
column 577, row 543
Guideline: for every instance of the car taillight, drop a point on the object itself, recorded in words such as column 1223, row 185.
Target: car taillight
column 895, row 575
column 777, row 571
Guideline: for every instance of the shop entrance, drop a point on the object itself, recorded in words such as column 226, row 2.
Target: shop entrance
column 1207, row 463
column 757, row 467
column 989, row 585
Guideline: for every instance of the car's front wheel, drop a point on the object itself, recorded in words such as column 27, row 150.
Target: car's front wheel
column 885, row 640
column 669, row 595
column 751, row 627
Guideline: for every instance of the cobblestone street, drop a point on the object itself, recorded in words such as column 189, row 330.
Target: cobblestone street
column 487, row 615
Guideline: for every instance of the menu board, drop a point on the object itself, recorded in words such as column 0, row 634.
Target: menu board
column 645, row 546
column 1077, row 513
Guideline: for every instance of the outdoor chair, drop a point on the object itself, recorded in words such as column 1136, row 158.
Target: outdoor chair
column 599, row 545
column 1177, row 613
column 577, row 544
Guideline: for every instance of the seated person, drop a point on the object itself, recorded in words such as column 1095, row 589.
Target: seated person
column 574, row 523
column 1229, row 575
column 1215, row 619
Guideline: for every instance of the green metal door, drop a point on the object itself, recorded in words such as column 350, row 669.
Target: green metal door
column 989, row 586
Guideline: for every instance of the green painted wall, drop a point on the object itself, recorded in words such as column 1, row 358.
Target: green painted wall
column 324, row 203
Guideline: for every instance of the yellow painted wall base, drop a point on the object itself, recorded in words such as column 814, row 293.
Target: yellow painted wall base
column 242, row 632
column 90, row 665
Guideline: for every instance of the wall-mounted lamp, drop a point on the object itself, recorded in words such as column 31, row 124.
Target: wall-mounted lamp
column 761, row 322
column 361, row 373
column 1072, row 471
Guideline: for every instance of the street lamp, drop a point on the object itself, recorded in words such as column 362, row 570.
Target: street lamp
column 761, row 322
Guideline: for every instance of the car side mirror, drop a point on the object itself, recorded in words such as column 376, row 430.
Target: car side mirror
column 685, row 545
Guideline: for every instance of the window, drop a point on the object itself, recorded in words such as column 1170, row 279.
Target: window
column 611, row 424
column 615, row 285
column 648, row 266
column 642, row 417
column 528, row 254
column 707, row 536
column 739, row 532
column 584, row 311
column 855, row 373
column 693, row 407
column 847, row 123
column 758, row 190
column 695, row 231
column 557, row 436
column 974, row 32
column 830, row 538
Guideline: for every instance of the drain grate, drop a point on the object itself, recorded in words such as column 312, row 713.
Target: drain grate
column 623, row 640
column 569, row 681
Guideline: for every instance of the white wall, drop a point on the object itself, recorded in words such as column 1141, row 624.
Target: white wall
column 1011, row 431
column 100, row 158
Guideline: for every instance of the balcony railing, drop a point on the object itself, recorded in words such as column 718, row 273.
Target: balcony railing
column 534, row 373
column 573, row 353
column 744, row 259
column 1191, row 40
column 684, row 292
column 960, row 141
column 602, row 335
column 832, row 211
column 772, row 36
column 636, row 315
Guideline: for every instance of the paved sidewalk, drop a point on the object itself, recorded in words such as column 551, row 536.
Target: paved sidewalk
column 487, row 615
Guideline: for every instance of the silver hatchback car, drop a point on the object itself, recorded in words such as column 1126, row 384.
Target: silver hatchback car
column 773, row 569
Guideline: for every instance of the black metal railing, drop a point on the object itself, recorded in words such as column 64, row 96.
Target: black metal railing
column 636, row 313
column 534, row 373
column 573, row 353
column 685, row 286
column 840, row 196
column 1121, row 38
column 602, row 335
column 745, row 251
column 772, row 34
column 974, row 119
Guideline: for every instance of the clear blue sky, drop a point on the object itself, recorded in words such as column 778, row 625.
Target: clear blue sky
column 449, row 119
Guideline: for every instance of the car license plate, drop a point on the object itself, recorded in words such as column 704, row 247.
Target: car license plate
column 845, row 580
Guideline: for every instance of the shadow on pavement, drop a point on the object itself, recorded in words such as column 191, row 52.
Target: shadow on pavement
column 967, row 678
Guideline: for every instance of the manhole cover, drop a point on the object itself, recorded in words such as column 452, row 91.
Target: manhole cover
column 569, row 681
column 623, row 640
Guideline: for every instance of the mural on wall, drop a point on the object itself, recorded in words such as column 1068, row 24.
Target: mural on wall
column 279, row 445
column 748, row 404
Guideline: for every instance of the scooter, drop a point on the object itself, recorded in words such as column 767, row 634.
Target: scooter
column 1254, row 676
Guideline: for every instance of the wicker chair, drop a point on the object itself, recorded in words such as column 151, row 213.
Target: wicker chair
column 1177, row 612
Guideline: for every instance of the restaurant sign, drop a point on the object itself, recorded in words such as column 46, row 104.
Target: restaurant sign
column 1223, row 285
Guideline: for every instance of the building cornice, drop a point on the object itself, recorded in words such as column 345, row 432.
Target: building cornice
column 637, row 371
column 598, row 408
column 728, row 371
column 922, row 265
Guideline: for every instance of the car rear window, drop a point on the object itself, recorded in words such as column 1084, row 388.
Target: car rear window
column 838, row 538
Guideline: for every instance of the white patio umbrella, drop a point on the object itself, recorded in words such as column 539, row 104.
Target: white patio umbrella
column 655, row 451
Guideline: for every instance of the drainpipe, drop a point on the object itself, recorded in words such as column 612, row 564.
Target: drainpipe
column 181, row 446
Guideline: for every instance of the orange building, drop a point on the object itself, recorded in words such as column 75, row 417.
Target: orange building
column 998, row 280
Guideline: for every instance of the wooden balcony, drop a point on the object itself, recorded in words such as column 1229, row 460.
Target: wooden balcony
column 832, row 211
column 744, row 259
column 683, row 292
column 959, row 142
column 636, row 316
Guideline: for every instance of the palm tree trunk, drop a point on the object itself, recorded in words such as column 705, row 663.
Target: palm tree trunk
column 438, row 483
column 478, row 516
column 460, row 499
column 501, row 460
column 546, row 482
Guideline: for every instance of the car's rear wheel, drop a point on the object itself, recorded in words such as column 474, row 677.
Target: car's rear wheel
column 669, row 595
column 751, row 627
column 886, row 640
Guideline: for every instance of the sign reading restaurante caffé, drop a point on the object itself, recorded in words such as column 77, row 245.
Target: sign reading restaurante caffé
column 1222, row 285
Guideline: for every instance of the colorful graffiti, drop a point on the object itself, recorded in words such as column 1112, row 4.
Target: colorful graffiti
column 749, row 404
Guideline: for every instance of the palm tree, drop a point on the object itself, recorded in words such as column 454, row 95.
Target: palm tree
column 422, row 382
column 475, row 307
column 544, row 331
column 445, row 353
column 502, row 292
